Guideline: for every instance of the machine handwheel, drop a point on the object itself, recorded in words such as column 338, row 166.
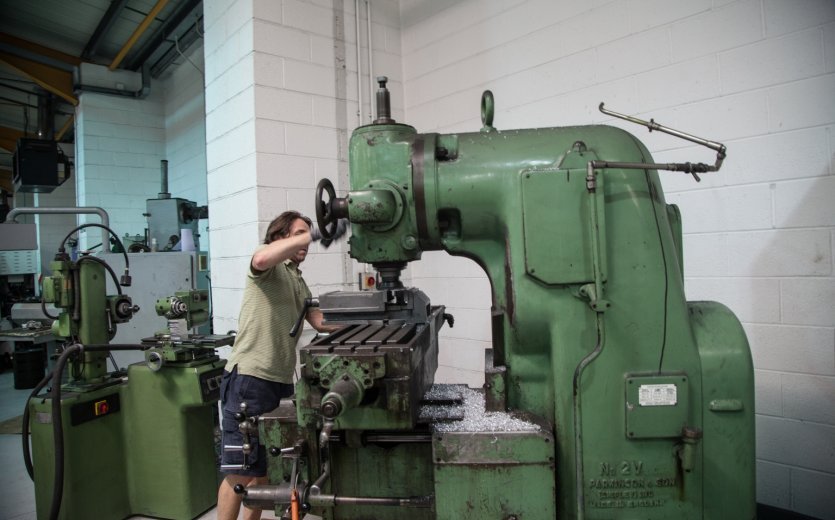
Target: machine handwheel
column 325, row 218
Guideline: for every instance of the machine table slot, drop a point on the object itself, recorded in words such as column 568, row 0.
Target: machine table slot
column 345, row 339
column 383, row 335
column 402, row 336
column 361, row 337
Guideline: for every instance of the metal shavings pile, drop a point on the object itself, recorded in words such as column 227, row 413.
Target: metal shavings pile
column 476, row 419
column 436, row 412
column 443, row 393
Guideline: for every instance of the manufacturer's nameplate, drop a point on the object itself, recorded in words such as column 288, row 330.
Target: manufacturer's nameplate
column 657, row 395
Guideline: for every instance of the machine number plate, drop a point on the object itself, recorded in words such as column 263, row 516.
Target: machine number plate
column 657, row 395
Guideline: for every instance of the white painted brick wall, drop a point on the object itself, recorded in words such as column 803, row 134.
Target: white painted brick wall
column 807, row 492
column 282, row 97
column 774, row 482
column 759, row 235
column 185, row 132
column 53, row 228
column 808, row 301
column 120, row 142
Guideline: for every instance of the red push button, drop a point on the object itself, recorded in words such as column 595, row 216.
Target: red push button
column 101, row 407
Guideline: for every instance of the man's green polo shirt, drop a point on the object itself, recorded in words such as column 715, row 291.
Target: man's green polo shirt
column 273, row 300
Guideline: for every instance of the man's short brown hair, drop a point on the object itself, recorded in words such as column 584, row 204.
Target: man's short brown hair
column 280, row 226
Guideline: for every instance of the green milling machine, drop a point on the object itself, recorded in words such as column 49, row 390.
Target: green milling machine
column 113, row 444
column 607, row 394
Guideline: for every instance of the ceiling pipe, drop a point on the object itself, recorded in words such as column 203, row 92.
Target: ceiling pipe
column 137, row 33
column 105, row 24
column 46, row 117
column 178, row 49
column 164, row 31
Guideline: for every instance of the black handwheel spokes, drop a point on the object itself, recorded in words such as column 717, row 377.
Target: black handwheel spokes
column 325, row 218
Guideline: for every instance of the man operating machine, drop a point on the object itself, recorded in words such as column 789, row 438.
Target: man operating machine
column 607, row 395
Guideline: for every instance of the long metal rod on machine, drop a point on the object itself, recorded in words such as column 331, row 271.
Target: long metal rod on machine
column 692, row 168
column 335, row 500
column 265, row 496
column 652, row 125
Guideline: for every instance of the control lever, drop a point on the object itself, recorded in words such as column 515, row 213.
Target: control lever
column 308, row 303
column 249, row 427
column 693, row 169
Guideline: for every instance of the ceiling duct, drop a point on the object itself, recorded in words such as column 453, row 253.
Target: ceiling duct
column 91, row 77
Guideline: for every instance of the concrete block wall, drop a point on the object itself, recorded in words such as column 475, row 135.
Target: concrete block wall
column 758, row 75
column 185, row 131
column 119, row 144
column 185, row 126
column 282, row 97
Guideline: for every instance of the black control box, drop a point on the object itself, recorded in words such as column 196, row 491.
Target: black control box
column 39, row 166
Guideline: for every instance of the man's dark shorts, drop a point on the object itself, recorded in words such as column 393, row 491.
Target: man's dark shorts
column 261, row 396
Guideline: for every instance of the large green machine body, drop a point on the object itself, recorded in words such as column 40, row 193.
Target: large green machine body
column 642, row 401
column 151, row 453
column 135, row 442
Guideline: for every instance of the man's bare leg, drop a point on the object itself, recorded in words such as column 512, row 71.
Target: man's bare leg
column 229, row 502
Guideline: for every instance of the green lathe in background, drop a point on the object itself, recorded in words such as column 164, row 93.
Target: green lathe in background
column 139, row 441
column 607, row 394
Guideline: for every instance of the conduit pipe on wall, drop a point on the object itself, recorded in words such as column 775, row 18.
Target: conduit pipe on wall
column 371, row 79
column 359, row 65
